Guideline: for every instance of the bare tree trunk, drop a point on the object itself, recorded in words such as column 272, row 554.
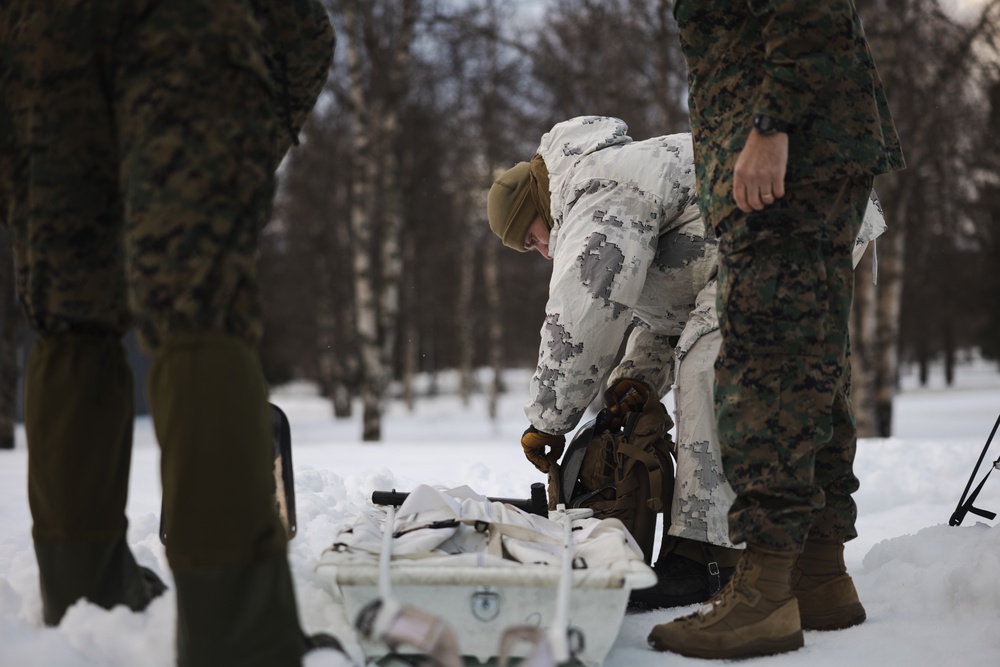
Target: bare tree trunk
column 334, row 307
column 491, row 277
column 670, row 81
column 335, row 366
column 950, row 353
column 325, row 340
column 9, row 347
column 367, row 330
column 465, row 322
column 862, row 346
column 889, row 299
column 391, row 192
column 363, row 181
column 411, row 338
column 390, row 247
column 11, row 327
column 377, row 97
column 899, row 188
column 344, row 364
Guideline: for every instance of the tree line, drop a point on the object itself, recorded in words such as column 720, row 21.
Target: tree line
column 378, row 264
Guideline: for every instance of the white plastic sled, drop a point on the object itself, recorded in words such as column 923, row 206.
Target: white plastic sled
column 461, row 577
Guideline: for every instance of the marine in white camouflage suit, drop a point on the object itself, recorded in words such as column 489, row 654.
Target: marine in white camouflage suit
column 620, row 221
column 628, row 247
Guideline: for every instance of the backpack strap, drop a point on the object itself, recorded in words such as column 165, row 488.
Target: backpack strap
column 653, row 468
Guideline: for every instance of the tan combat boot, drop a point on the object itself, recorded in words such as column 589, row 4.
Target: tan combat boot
column 755, row 614
column 826, row 594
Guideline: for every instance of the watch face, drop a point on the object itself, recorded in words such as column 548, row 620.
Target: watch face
column 764, row 124
column 767, row 125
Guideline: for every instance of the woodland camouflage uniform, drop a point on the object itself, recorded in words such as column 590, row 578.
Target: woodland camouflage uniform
column 140, row 141
column 784, row 416
column 842, row 135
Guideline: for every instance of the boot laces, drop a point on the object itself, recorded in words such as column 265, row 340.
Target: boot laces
column 734, row 589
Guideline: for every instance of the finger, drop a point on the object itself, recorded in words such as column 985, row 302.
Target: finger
column 620, row 390
column 740, row 196
column 538, row 461
column 779, row 188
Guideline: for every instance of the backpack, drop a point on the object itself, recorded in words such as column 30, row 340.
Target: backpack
column 625, row 473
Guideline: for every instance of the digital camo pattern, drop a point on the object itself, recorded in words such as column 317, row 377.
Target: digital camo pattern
column 675, row 339
column 872, row 226
column 806, row 63
column 628, row 246
column 785, row 422
column 785, row 278
column 143, row 140
column 702, row 495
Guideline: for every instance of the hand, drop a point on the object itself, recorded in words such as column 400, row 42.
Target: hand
column 759, row 175
column 534, row 443
column 624, row 396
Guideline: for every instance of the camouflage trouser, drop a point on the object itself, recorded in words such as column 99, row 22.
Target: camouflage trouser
column 140, row 139
column 702, row 495
column 785, row 420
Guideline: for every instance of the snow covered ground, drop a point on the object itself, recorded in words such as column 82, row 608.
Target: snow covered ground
column 932, row 591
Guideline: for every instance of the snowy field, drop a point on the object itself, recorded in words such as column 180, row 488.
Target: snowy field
column 932, row 591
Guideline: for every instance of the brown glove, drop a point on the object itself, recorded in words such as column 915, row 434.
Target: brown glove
column 534, row 443
column 624, row 396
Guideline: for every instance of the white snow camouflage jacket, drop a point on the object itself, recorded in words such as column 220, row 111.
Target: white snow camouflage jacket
column 628, row 245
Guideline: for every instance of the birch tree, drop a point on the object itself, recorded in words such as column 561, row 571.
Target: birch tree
column 614, row 57
column 378, row 37
column 487, row 62
column 988, row 168
column 924, row 94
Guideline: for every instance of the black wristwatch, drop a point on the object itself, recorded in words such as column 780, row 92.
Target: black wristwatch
column 767, row 125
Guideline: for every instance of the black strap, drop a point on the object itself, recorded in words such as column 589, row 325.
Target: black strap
column 965, row 506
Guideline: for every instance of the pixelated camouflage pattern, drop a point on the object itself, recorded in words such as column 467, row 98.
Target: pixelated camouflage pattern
column 144, row 140
column 785, row 422
column 298, row 51
column 872, row 226
column 674, row 340
column 803, row 62
column 702, row 495
column 628, row 246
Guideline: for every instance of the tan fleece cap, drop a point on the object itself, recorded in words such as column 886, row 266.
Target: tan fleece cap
column 509, row 207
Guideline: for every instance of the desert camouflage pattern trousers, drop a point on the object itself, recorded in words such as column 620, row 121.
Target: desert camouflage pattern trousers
column 784, row 415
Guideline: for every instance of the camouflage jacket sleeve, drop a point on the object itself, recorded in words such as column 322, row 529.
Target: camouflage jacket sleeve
column 598, row 272
column 804, row 62
column 649, row 356
column 628, row 247
column 803, row 45
column 301, row 41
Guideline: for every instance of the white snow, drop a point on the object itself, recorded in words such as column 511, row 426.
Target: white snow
column 932, row 591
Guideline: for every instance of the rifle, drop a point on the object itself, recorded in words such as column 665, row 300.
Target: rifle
column 537, row 504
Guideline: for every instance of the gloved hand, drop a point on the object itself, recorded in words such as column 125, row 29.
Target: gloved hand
column 624, row 396
column 534, row 443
